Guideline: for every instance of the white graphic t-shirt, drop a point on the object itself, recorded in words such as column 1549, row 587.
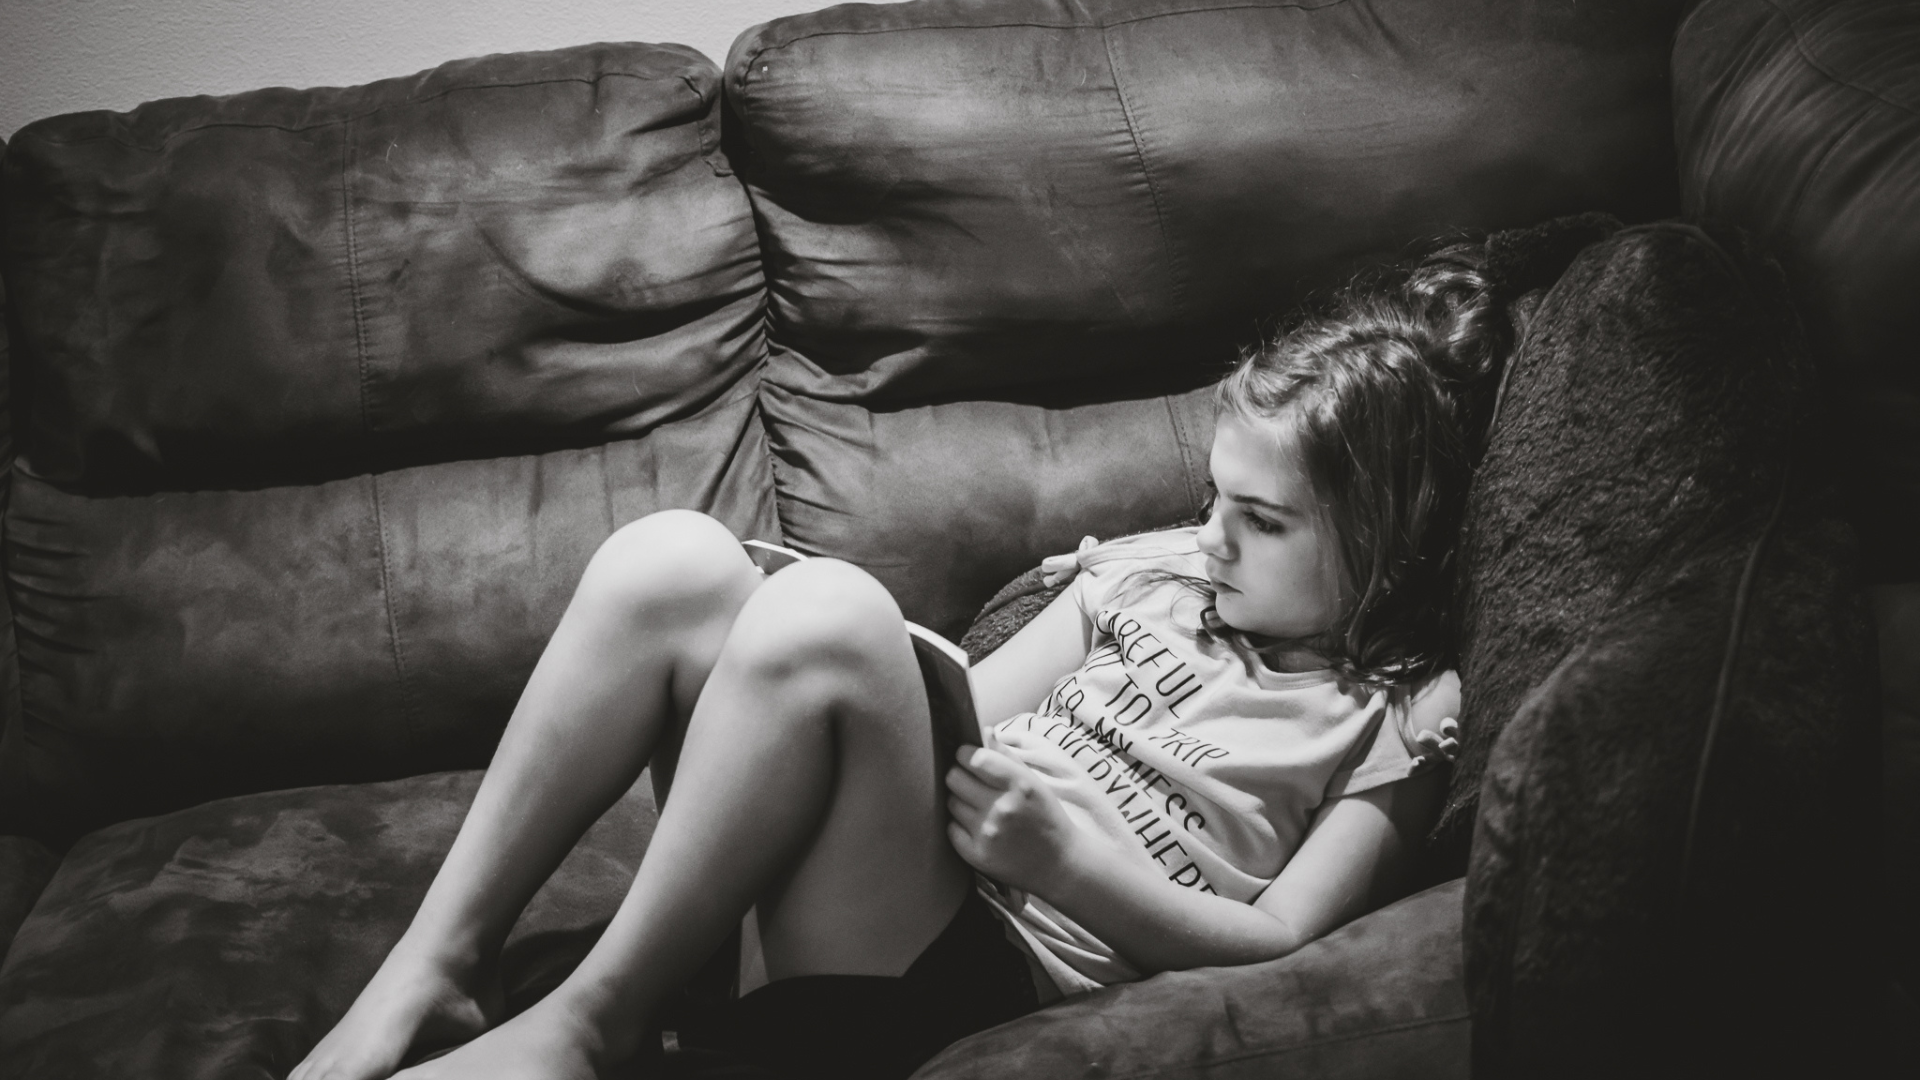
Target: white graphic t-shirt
column 1178, row 751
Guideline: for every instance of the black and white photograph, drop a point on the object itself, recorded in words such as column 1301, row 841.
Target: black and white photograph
column 959, row 539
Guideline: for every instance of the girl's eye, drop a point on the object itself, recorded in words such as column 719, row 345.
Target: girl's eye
column 1262, row 525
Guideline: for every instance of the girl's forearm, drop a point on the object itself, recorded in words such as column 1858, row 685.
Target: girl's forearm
column 1158, row 925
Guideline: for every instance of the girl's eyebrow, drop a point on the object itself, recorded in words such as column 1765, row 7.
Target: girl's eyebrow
column 1267, row 504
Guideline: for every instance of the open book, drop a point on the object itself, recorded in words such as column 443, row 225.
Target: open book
column 943, row 666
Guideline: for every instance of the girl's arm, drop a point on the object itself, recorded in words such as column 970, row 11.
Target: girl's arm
column 1018, row 674
column 1359, row 853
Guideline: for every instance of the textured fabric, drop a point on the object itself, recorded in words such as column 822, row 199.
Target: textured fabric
column 184, row 646
column 1643, row 415
column 222, row 942
column 25, row 867
column 1799, row 120
column 1016, row 604
column 1652, row 553
column 498, row 256
column 1589, row 952
column 1379, row 999
column 996, row 232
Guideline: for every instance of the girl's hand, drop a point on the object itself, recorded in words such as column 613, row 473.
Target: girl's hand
column 1006, row 823
column 1443, row 743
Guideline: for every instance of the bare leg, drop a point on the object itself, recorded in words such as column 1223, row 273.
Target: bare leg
column 627, row 661
column 806, row 783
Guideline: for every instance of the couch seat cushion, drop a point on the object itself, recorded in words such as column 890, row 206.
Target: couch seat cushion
column 1380, row 998
column 222, row 941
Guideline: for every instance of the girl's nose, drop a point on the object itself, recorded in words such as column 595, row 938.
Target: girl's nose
column 1213, row 535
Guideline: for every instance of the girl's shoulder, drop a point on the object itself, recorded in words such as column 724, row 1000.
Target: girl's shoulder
column 1171, row 549
column 1129, row 568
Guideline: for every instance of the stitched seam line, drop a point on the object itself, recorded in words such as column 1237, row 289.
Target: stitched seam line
column 1820, row 166
column 356, row 308
column 353, row 271
column 1153, row 189
column 1723, row 687
column 1008, row 24
column 375, row 111
column 1183, row 438
column 1800, row 49
column 393, row 622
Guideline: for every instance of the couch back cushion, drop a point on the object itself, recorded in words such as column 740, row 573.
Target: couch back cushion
column 328, row 395
column 1799, row 121
column 1003, row 238
column 288, row 285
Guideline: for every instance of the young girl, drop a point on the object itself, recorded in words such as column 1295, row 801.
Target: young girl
column 1206, row 751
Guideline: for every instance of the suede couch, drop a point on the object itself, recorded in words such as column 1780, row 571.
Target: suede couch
column 320, row 400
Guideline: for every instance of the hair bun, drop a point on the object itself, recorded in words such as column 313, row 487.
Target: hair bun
column 1450, row 292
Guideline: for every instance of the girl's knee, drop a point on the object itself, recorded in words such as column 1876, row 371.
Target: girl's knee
column 822, row 612
column 667, row 562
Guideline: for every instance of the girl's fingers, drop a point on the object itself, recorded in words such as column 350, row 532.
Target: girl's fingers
column 1438, row 743
column 993, row 768
column 973, row 759
column 962, row 843
column 964, row 815
column 968, row 788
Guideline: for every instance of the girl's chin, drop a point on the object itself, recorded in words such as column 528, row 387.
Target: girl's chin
column 1234, row 614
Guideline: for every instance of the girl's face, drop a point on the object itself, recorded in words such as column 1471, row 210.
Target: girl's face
column 1270, row 553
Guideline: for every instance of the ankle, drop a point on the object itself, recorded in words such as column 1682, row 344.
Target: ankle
column 458, row 960
column 609, row 1029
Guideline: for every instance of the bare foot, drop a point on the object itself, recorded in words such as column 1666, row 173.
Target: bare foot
column 547, row 1042
column 410, row 1006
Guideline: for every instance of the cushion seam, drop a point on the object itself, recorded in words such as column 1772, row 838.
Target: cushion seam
column 393, row 621
column 1146, row 174
column 1036, row 24
column 1182, row 442
column 1800, row 50
column 1723, row 685
column 1303, row 1044
column 160, row 146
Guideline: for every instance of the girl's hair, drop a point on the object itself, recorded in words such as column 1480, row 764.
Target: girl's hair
column 1380, row 399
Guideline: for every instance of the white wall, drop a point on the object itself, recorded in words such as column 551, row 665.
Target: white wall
column 64, row 55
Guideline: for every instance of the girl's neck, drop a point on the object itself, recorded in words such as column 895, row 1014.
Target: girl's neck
column 1293, row 661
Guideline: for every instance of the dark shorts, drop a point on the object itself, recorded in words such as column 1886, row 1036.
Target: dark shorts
column 869, row 1026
